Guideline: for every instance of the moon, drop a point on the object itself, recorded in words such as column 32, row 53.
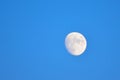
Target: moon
column 75, row 43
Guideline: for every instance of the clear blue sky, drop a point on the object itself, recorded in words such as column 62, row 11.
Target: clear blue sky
column 32, row 34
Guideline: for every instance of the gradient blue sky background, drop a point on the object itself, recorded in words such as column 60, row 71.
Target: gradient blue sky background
column 32, row 34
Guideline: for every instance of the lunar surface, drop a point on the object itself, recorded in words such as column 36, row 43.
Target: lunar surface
column 75, row 43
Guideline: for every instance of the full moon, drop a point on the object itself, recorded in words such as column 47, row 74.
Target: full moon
column 75, row 43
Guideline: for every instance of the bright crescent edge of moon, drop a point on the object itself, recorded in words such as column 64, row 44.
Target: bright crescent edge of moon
column 75, row 43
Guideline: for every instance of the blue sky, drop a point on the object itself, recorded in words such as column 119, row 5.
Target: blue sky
column 32, row 34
